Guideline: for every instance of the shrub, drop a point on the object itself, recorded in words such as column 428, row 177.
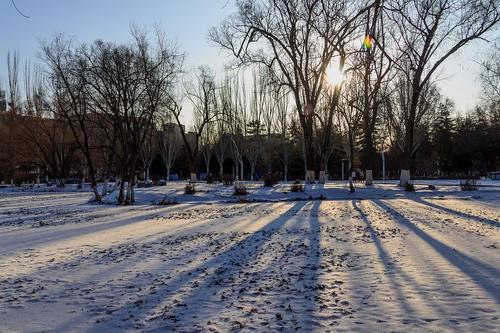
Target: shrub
column 297, row 187
column 209, row 179
column 431, row 187
column 227, row 179
column 409, row 187
column 240, row 189
column 270, row 180
column 189, row 189
column 469, row 185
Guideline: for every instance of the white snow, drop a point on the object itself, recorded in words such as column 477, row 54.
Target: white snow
column 379, row 259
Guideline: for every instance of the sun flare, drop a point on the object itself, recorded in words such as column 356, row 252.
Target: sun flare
column 334, row 75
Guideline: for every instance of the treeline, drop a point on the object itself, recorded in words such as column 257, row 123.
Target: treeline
column 316, row 87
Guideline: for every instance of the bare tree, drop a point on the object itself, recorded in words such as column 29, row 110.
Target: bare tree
column 397, row 109
column 120, row 86
column 349, row 116
column 170, row 146
column 281, row 103
column 67, row 87
column 490, row 74
column 149, row 151
column 295, row 40
column 222, row 139
column 425, row 34
column 201, row 92
column 49, row 140
column 207, row 145
column 375, row 67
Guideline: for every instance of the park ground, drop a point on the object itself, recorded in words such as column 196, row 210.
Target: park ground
column 326, row 260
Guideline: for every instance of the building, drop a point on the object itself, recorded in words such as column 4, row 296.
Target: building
column 3, row 101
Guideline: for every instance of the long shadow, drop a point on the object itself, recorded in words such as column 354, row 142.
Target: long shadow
column 313, row 261
column 230, row 262
column 484, row 275
column 186, row 227
column 12, row 244
column 134, row 280
column 456, row 212
column 240, row 252
column 386, row 260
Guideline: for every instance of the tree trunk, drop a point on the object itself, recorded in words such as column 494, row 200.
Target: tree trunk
column 404, row 177
column 409, row 130
column 104, row 190
column 132, row 190
column 192, row 171
column 368, row 160
column 221, row 169
column 309, row 151
column 128, row 196
column 121, row 197
column 368, row 177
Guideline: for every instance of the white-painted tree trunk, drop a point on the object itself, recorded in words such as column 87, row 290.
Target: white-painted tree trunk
column 322, row 176
column 105, row 187
column 97, row 197
column 310, row 176
column 368, row 177
column 404, row 178
column 117, row 183
column 128, row 195
column 193, row 177
column 351, row 185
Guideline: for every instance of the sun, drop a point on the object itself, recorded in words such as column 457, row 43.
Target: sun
column 334, row 75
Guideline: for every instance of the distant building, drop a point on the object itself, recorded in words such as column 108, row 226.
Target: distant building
column 171, row 127
column 3, row 101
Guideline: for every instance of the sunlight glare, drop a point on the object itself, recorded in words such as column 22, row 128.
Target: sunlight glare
column 334, row 75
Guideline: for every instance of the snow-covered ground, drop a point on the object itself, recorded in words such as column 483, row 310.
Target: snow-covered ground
column 379, row 259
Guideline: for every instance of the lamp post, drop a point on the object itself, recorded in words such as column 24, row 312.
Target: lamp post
column 383, row 165
column 343, row 163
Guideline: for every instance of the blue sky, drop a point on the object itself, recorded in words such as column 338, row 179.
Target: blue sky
column 185, row 21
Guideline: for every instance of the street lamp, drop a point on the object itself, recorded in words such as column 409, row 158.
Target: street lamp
column 383, row 165
column 343, row 163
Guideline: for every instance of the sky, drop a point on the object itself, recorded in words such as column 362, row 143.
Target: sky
column 185, row 21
